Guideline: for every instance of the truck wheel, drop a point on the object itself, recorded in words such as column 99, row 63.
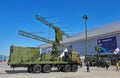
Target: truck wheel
column 74, row 68
column 46, row 68
column 37, row 68
column 67, row 68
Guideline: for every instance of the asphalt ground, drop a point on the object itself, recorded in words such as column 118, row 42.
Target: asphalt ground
column 95, row 72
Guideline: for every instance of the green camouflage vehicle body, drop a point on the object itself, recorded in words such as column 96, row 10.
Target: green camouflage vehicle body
column 30, row 57
column 23, row 55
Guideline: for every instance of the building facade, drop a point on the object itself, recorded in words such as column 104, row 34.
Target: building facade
column 108, row 37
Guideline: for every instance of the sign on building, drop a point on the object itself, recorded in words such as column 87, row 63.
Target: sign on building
column 107, row 44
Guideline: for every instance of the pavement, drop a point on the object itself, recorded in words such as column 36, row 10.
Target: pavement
column 95, row 72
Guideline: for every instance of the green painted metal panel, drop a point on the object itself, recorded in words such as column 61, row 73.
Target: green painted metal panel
column 21, row 55
column 45, row 57
column 28, row 56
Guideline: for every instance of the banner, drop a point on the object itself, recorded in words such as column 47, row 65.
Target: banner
column 107, row 44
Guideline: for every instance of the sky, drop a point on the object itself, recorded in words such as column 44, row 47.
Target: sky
column 66, row 14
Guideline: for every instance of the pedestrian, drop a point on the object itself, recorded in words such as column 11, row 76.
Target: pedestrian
column 88, row 66
column 107, row 66
column 117, row 66
column 81, row 64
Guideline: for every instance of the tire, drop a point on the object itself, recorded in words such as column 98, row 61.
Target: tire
column 37, row 68
column 67, row 68
column 46, row 68
column 74, row 68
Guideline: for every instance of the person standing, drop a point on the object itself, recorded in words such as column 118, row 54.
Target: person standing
column 107, row 66
column 88, row 66
column 117, row 66
column 81, row 64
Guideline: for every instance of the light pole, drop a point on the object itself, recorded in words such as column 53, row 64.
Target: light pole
column 85, row 17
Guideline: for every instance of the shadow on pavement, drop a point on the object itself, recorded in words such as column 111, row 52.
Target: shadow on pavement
column 15, row 71
column 23, row 71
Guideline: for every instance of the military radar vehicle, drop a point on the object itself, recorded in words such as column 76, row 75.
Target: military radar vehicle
column 30, row 56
